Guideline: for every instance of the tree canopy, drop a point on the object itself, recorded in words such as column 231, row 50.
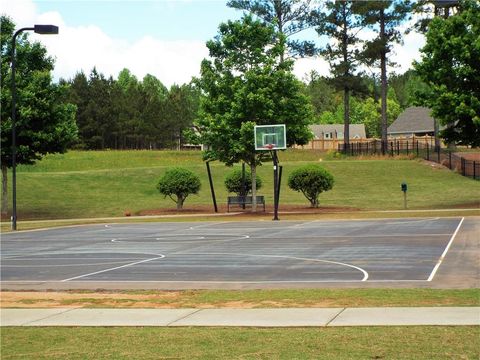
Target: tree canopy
column 450, row 65
column 45, row 122
column 246, row 83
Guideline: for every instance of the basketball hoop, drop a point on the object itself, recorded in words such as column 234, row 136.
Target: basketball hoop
column 269, row 146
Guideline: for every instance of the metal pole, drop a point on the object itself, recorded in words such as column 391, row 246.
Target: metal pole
column 405, row 200
column 14, row 130
column 275, row 185
column 279, row 185
column 211, row 187
column 244, row 188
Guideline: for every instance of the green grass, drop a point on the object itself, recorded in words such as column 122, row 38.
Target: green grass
column 421, row 342
column 106, row 183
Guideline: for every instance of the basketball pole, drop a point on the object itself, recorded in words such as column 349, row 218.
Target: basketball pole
column 275, row 185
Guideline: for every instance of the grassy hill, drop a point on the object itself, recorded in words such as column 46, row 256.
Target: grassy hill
column 106, row 183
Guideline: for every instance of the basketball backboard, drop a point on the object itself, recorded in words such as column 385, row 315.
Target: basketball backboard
column 270, row 137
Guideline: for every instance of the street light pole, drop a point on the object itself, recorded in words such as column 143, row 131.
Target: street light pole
column 39, row 29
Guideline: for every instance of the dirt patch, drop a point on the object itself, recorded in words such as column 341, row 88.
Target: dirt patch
column 159, row 300
column 205, row 209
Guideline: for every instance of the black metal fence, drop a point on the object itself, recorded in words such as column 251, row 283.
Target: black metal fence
column 446, row 157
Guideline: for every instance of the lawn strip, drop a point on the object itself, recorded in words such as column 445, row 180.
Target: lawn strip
column 419, row 342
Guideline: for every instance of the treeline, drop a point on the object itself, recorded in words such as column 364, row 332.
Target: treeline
column 365, row 107
column 130, row 114
column 126, row 113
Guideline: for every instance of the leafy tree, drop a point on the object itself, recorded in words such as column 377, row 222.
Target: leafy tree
column 341, row 25
column 181, row 108
column 289, row 17
column 311, row 181
column 322, row 95
column 384, row 17
column 178, row 183
column 406, row 86
column 234, row 182
column 244, row 84
column 45, row 123
column 430, row 8
column 450, row 65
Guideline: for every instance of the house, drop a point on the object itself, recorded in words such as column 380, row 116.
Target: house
column 335, row 131
column 414, row 121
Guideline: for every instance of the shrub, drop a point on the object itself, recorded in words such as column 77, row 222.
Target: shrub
column 233, row 182
column 178, row 182
column 311, row 180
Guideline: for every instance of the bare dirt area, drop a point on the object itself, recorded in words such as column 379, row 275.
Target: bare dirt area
column 208, row 209
column 157, row 300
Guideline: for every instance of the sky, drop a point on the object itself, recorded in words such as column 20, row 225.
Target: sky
column 165, row 38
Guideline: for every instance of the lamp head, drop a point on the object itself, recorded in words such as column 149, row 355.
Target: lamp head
column 46, row 29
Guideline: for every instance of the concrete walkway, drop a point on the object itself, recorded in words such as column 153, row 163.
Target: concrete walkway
column 393, row 316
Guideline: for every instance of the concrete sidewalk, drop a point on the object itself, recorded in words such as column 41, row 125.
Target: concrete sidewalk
column 320, row 317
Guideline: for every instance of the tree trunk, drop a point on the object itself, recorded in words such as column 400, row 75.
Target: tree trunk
column 253, row 169
column 346, row 90
column 383, row 65
column 346, row 119
column 4, row 191
column 180, row 201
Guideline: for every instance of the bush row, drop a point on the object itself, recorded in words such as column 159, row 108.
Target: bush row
column 311, row 180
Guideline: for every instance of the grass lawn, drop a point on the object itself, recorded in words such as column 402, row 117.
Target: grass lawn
column 83, row 184
column 243, row 298
column 421, row 342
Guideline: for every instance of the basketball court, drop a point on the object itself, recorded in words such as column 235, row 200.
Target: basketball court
column 226, row 254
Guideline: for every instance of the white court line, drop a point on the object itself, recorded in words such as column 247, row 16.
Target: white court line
column 115, row 268
column 365, row 274
column 434, row 271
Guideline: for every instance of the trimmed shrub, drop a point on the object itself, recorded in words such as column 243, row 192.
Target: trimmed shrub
column 311, row 180
column 233, row 182
column 177, row 183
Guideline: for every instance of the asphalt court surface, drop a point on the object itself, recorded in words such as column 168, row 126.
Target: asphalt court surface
column 304, row 252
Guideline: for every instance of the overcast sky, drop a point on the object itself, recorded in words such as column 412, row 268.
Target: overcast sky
column 165, row 38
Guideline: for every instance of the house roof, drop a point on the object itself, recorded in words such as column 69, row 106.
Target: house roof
column 415, row 119
column 354, row 130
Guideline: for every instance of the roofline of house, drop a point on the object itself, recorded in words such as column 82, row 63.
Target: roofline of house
column 408, row 131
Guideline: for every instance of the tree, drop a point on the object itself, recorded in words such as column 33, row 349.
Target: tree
column 406, row 86
column 180, row 111
column 178, row 183
column 245, row 83
column 234, row 182
column 341, row 25
column 289, row 17
column 322, row 95
column 450, row 66
column 384, row 17
column 45, row 123
column 311, row 181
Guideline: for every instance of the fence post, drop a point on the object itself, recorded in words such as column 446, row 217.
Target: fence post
column 428, row 152
column 438, row 154
column 407, row 147
column 417, row 148
column 462, row 162
column 474, row 170
column 450, row 160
